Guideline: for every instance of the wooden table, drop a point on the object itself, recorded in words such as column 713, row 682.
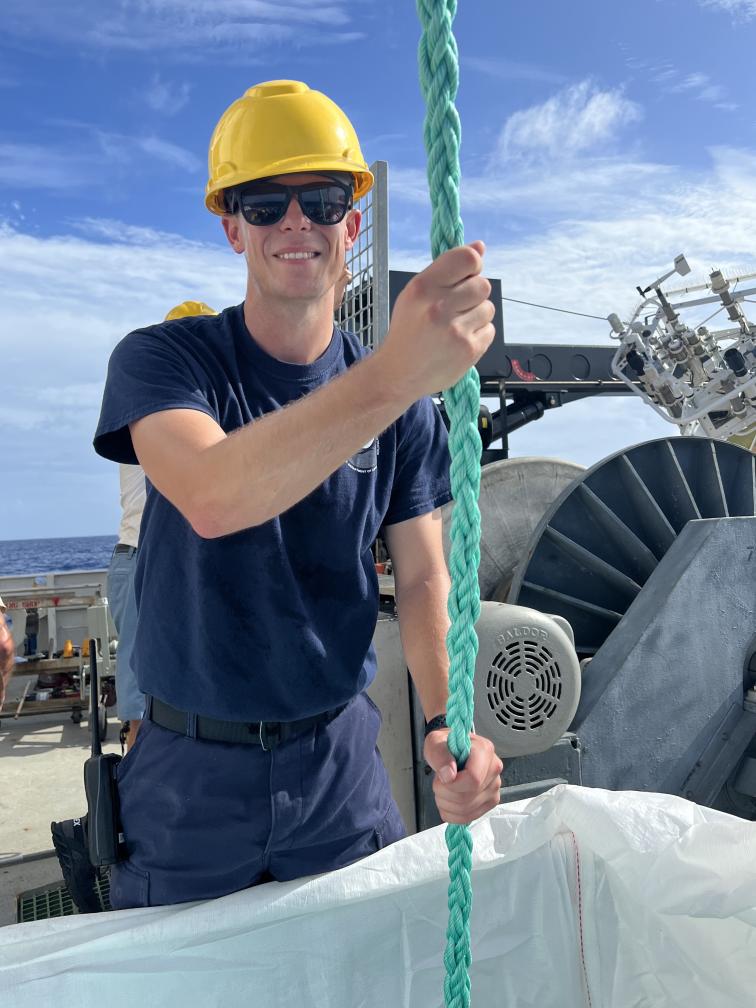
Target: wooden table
column 46, row 665
column 55, row 705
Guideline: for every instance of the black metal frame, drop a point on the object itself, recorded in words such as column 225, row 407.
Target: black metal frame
column 530, row 378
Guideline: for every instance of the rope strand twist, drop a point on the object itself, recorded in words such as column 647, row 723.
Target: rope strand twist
column 439, row 79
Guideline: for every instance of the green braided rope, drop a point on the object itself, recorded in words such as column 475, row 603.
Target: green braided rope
column 439, row 79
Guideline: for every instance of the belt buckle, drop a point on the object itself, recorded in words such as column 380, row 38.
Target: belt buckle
column 270, row 733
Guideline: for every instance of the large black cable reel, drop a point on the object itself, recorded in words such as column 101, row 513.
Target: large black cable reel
column 599, row 542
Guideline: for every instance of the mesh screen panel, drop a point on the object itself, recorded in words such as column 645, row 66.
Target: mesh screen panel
column 364, row 310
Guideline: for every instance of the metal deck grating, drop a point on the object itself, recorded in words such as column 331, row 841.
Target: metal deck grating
column 54, row 900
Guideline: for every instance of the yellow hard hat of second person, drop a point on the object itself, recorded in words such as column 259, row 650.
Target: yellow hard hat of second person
column 281, row 128
column 189, row 308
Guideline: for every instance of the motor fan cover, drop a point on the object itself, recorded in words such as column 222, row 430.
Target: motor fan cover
column 527, row 679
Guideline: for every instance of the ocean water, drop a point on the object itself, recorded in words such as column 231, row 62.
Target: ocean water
column 42, row 556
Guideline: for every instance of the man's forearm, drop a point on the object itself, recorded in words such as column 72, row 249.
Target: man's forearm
column 272, row 463
column 6, row 656
column 423, row 624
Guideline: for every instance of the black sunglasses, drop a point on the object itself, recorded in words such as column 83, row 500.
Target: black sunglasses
column 266, row 203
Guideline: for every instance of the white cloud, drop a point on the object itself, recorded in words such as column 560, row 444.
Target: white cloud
column 577, row 119
column 582, row 187
column 739, row 8
column 87, row 395
column 19, row 418
column 248, row 32
column 693, row 80
column 63, row 166
column 584, row 235
column 179, row 28
column 593, row 263
column 122, row 150
column 66, row 303
column 168, row 152
column 712, row 93
column 505, row 69
column 676, row 81
column 32, row 166
column 335, row 13
column 126, row 234
column 704, row 89
column 163, row 96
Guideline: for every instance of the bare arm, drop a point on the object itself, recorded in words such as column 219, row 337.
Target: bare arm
column 6, row 657
column 422, row 588
column 222, row 484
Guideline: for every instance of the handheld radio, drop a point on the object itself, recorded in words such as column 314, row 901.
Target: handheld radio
column 104, row 837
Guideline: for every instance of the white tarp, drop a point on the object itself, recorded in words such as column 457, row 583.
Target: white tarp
column 582, row 898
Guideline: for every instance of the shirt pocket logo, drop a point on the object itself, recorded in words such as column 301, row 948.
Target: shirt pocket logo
column 366, row 459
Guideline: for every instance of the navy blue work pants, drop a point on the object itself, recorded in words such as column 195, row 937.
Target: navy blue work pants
column 202, row 819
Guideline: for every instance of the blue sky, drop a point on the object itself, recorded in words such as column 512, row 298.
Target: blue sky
column 599, row 140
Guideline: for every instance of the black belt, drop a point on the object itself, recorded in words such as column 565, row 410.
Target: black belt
column 263, row 733
column 123, row 548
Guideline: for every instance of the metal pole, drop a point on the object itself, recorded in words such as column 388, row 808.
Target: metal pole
column 380, row 249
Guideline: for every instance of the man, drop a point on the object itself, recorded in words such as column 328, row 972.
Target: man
column 121, row 599
column 70, row 836
column 277, row 450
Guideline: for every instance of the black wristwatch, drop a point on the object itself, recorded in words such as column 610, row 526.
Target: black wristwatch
column 439, row 721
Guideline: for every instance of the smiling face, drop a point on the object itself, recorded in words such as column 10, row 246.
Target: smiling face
column 293, row 259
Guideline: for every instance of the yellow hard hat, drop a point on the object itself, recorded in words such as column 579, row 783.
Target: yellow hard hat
column 188, row 308
column 281, row 128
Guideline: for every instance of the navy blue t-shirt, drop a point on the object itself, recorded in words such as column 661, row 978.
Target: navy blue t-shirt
column 274, row 622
